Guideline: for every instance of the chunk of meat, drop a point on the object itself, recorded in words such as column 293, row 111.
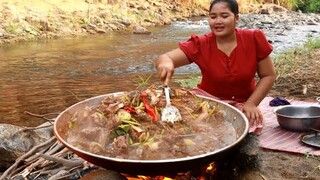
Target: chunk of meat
column 121, row 142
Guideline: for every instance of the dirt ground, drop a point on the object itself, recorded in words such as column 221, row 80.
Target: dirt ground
column 259, row 164
column 302, row 84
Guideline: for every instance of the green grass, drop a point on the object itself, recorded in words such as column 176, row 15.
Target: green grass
column 189, row 82
column 313, row 44
column 292, row 59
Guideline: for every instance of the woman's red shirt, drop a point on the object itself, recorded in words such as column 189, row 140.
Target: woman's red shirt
column 228, row 77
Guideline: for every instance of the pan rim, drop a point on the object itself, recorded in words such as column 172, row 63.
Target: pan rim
column 72, row 148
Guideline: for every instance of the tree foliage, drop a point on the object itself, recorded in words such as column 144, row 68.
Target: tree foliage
column 308, row 6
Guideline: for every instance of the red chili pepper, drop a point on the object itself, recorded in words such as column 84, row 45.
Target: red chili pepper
column 138, row 134
column 149, row 109
column 130, row 109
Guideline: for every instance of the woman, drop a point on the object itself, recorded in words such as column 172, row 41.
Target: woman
column 229, row 58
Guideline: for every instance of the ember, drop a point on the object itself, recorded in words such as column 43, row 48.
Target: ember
column 202, row 174
column 149, row 178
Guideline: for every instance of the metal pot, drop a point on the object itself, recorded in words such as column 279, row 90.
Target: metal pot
column 298, row 117
column 151, row 167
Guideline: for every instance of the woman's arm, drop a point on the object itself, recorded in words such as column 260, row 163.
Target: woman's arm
column 166, row 63
column 267, row 75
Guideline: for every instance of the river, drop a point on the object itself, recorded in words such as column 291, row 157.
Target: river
column 49, row 76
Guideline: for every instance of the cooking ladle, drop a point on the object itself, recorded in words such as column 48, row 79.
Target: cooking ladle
column 169, row 112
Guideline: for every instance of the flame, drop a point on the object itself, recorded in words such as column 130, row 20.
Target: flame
column 211, row 167
column 166, row 178
column 133, row 178
column 209, row 170
column 139, row 177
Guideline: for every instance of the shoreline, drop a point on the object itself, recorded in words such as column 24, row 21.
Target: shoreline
column 23, row 23
column 33, row 20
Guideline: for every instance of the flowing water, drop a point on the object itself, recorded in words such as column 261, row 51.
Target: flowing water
column 49, row 76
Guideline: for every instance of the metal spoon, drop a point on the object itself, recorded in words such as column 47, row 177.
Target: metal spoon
column 169, row 112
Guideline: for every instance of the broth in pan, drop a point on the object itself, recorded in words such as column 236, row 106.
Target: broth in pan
column 128, row 126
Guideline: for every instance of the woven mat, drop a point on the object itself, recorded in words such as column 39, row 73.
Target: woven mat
column 275, row 138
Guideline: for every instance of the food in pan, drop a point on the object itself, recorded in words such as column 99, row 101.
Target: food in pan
column 128, row 126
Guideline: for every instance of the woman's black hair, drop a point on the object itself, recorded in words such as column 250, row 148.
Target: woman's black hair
column 233, row 5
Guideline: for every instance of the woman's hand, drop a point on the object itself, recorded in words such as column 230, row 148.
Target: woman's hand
column 253, row 113
column 166, row 63
column 165, row 68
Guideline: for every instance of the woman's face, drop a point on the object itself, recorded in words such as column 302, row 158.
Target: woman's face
column 222, row 21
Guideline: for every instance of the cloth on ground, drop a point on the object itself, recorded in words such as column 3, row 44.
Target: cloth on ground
column 279, row 101
column 274, row 137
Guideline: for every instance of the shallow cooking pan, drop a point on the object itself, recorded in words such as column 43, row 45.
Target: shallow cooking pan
column 151, row 167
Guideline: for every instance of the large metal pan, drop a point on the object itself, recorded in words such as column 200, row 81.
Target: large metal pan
column 151, row 167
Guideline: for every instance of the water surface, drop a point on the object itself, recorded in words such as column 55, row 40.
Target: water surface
column 49, row 76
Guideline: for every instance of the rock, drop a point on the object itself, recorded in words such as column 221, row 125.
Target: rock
column 164, row 20
column 271, row 8
column 141, row 30
column 112, row 26
column 126, row 22
column 16, row 141
column 2, row 32
column 311, row 22
column 100, row 30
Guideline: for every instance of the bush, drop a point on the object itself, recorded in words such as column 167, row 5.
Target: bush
column 307, row 6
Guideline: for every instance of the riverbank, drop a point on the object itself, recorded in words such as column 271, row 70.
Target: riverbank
column 31, row 20
column 40, row 19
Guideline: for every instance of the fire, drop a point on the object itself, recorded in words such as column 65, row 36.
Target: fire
column 149, row 178
column 210, row 170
